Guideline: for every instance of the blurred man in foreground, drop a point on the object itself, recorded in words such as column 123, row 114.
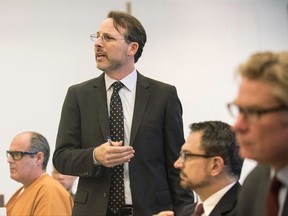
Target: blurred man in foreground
column 261, row 111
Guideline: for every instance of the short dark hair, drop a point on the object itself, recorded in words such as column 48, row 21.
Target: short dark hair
column 218, row 139
column 135, row 32
column 38, row 143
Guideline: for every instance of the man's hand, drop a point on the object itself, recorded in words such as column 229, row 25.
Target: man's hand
column 112, row 155
column 165, row 213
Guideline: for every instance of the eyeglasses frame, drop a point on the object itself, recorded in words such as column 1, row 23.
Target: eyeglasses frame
column 184, row 155
column 104, row 38
column 22, row 153
column 256, row 112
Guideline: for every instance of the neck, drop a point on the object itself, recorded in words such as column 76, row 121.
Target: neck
column 120, row 73
column 215, row 185
column 33, row 178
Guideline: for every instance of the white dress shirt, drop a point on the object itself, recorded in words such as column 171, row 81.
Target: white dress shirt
column 212, row 201
column 127, row 94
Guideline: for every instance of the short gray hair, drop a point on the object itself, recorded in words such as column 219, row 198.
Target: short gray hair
column 38, row 143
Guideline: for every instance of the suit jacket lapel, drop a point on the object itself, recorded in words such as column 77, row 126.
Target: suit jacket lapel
column 141, row 101
column 101, row 105
column 227, row 202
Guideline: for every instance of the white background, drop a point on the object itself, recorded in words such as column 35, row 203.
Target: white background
column 194, row 45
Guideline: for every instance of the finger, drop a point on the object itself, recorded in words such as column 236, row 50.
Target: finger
column 120, row 149
column 119, row 160
column 117, row 143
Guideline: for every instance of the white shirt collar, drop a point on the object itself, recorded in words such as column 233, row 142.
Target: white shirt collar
column 128, row 81
column 282, row 175
column 212, row 201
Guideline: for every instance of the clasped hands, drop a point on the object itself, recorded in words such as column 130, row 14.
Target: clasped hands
column 110, row 154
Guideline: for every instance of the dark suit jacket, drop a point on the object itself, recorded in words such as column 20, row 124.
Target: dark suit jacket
column 156, row 136
column 225, row 207
column 254, row 191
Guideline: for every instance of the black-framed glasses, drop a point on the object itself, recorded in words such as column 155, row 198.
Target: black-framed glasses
column 185, row 155
column 105, row 37
column 17, row 155
column 252, row 114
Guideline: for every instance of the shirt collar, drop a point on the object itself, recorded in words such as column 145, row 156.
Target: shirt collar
column 212, row 201
column 282, row 175
column 128, row 81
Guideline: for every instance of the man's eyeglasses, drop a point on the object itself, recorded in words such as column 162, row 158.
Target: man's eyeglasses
column 184, row 155
column 252, row 114
column 17, row 155
column 105, row 37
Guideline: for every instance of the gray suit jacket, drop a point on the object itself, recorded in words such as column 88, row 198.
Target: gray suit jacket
column 254, row 191
column 225, row 207
column 156, row 136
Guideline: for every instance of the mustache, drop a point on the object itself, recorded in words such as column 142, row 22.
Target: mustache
column 100, row 51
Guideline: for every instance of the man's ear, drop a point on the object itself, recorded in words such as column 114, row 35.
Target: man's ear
column 40, row 158
column 216, row 164
column 133, row 48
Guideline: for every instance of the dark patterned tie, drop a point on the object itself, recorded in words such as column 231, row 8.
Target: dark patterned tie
column 199, row 210
column 272, row 205
column 117, row 196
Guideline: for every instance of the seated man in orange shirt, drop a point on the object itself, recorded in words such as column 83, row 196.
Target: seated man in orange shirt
column 40, row 194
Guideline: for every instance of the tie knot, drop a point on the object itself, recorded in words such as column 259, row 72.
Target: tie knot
column 199, row 210
column 117, row 86
column 275, row 184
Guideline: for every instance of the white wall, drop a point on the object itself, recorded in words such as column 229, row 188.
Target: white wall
column 195, row 45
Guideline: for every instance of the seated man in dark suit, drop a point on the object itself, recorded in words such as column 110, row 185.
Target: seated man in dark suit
column 210, row 166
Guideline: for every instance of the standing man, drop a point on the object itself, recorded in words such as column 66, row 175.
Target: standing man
column 210, row 166
column 142, row 119
column 261, row 111
column 40, row 194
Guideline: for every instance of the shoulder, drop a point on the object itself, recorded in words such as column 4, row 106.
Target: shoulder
column 259, row 173
column 155, row 86
column 251, row 198
column 48, row 185
column 88, row 83
column 152, row 82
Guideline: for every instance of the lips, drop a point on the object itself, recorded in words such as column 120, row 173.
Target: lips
column 182, row 176
column 100, row 54
column 12, row 170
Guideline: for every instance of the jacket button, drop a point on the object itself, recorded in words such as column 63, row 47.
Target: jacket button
column 105, row 195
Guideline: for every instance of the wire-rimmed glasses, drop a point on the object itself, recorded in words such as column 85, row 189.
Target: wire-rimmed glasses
column 105, row 37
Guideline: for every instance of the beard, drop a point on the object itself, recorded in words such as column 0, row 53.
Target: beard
column 110, row 66
column 192, row 185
